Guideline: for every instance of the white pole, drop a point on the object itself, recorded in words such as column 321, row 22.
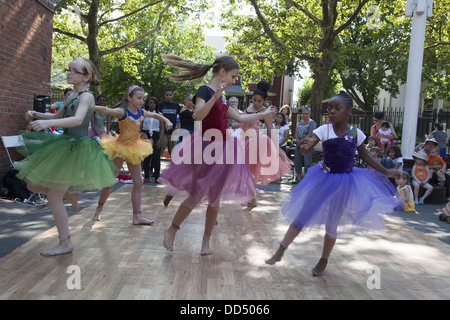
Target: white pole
column 419, row 9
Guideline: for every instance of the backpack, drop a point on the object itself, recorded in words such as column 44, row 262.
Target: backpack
column 17, row 188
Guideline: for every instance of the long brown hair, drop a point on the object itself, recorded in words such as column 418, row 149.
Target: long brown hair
column 194, row 70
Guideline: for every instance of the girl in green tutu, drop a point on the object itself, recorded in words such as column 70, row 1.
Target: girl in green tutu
column 61, row 166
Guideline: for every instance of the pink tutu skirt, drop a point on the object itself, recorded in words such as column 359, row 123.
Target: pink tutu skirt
column 266, row 160
column 209, row 171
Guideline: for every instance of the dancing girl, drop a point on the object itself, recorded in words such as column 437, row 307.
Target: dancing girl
column 333, row 194
column 129, row 147
column 61, row 166
column 218, row 182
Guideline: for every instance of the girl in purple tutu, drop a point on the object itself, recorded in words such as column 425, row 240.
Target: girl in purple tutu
column 208, row 165
column 333, row 194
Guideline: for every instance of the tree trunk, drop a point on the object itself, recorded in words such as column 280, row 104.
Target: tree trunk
column 320, row 72
column 91, row 41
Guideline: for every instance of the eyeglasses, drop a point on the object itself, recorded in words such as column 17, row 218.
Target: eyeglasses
column 74, row 72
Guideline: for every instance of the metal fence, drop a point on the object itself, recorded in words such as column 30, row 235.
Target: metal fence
column 364, row 120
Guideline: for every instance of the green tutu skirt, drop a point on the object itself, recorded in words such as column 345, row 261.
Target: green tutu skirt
column 65, row 163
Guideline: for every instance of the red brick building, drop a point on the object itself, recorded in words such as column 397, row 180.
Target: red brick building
column 26, row 33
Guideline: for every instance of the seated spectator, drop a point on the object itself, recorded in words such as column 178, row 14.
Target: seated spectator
column 437, row 165
column 394, row 159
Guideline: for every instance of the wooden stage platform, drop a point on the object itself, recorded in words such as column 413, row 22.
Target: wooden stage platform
column 116, row 260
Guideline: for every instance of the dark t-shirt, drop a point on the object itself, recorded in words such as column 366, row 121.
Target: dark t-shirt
column 170, row 111
column 203, row 92
column 186, row 120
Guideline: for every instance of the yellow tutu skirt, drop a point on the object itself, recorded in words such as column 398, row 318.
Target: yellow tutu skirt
column 133, row 153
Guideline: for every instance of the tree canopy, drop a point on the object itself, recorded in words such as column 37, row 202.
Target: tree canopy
column 367, row 42
column 112, row 32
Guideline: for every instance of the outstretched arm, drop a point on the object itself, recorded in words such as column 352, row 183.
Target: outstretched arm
column 31, row 114
column 118, row 112
column 70, row 122
column 159, row 117
column 367, row 158
column 308, row 143
column 233, row 114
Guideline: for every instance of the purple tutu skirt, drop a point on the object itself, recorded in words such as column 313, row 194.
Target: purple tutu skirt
column 341, row 203
column 209, row 171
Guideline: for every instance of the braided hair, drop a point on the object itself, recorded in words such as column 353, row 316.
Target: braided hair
column 346, row 98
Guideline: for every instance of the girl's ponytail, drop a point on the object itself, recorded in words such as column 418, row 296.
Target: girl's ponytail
column 194, row 71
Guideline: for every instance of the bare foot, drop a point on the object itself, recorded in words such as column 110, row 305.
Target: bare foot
column 167, row 199
column 61, row 248
column 169, row 237
column 277, row 256
column 98, row 213
column 319, row 269
column 72, row 198
column 206, row 250
column 138, row 219
column 252, row 204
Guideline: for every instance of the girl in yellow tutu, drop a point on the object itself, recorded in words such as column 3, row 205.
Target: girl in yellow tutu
column 128, row 146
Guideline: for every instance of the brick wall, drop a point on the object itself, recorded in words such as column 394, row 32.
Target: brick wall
column 25, row 62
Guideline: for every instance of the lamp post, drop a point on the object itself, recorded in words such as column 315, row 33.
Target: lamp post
column 419, row 10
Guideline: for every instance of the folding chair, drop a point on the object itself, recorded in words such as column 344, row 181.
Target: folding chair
column 14, row 142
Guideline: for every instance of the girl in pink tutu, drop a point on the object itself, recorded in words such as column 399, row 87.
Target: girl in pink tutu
column 208, row 166
column 262, row 154
column 344, row 197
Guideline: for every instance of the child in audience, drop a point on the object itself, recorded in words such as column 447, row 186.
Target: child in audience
column 384, row 131
column 395, row 154
column 376, row 153
column 372, row 141
column 421, row 174
column 445, row 215
column 436, row 164
column 405, row 191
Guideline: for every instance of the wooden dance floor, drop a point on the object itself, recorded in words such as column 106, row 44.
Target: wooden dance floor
column 115, row 260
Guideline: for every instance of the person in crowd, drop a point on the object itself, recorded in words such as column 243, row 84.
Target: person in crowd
column 378, row 119
column 437, row 165
column 304, row 129
column 97, row 124
column 421, row 175
column 154, row 130
column 441, row 138
column 171, row 111
column 405, row 191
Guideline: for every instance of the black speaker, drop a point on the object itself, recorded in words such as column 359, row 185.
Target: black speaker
column 41, row 103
